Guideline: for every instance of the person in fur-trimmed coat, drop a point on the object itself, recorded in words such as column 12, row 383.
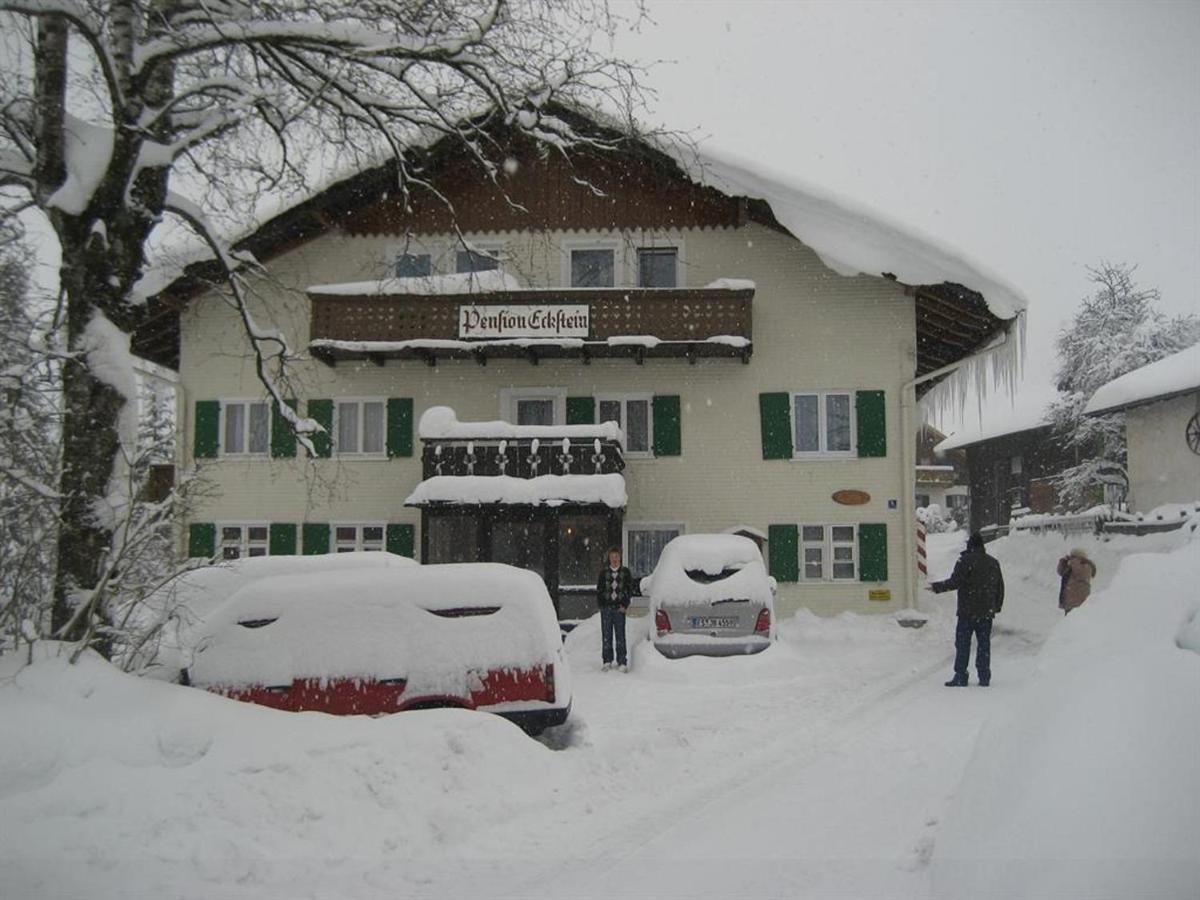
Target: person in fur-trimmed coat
column 1076, row 572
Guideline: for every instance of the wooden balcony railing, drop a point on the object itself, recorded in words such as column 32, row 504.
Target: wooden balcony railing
column 629, row 322
column 521, row 457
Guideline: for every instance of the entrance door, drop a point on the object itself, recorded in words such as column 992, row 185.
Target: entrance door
column 520, row 543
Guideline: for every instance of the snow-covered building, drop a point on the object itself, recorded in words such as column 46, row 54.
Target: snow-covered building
column 759, row 346
column 1161, row 402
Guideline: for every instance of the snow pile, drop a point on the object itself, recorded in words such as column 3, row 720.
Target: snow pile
column 1087, row 785
column 1173, row 375
column 491, row 281
column 544, row 490
column 380, row 623
column 711, row 554
column 441, row 423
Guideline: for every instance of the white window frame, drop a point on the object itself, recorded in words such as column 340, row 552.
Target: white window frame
column 624, row 399
column 246, row 453
column 510, row 396
column 572, row 244
column 678, row 527
column 244, row 543
column 823, row 426
column 663, row 244
column 359, row 544
column 490, row 248
column 358, row 454
column 827, row 545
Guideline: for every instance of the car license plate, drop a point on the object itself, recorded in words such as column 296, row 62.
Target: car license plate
column 714, row 621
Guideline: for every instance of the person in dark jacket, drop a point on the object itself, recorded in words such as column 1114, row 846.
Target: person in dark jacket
column 980, row 585
column 614, row 589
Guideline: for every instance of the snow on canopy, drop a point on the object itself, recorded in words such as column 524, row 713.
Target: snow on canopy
column 441, row 423
column 711, row 554
column 455, row 283
column 381, row 623
column 544, row 490
column 1172, row 375
column 1025, row 412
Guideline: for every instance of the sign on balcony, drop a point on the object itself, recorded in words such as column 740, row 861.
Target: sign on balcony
column 511, row 321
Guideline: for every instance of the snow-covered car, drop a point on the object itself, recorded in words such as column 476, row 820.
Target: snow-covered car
column 710, row 594
column 376, row 641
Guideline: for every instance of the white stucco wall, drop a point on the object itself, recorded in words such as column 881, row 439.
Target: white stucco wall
column 1161, row 467
column 813, row 329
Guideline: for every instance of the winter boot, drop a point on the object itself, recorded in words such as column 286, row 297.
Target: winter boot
column 957, row 681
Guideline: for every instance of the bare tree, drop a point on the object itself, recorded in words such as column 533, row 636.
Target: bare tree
column 116, row 113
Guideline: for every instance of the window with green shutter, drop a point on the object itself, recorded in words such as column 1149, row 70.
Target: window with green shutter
column 399, row 427
column 783, row 552
column 668, row 440
column 400, row 539
column 872, row 423
column 581, row 410
column 872, row 552
column 283, row 439
column 207, row 435
column 282, row 540
column 202, row 540
column 775, row 420
column 321, row 412
column 314, row 538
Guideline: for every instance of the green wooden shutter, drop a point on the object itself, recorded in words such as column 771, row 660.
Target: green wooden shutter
column 581, row 410
column 400, row 539
column 872, row 423
column 399, row 427
column 208, row 429
column 872, row 553
column 667, row 438
column 314, row 538
column 202, row 540
column 775, row 418
column 282, row 541
column 783, row 551
column 321, row 411
column 283, row 439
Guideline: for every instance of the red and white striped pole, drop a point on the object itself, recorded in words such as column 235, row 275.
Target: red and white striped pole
column 922, row 561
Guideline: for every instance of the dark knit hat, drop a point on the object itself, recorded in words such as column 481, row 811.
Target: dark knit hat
column 975, row 541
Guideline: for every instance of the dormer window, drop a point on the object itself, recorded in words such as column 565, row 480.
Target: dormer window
column 658, row 267
column 413, row 265
column 592, row 268
column 478, row 260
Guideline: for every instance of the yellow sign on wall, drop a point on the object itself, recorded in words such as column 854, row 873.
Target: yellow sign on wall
column 881, row 595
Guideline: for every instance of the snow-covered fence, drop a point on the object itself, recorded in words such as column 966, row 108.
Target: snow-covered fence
column 1100, row 520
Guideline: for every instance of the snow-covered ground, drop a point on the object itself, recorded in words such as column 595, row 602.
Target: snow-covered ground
column 833, row 765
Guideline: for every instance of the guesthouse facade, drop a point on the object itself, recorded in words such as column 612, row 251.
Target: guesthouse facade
column 595, row 350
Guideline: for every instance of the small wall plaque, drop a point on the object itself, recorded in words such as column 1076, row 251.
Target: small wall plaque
column 882, row 596
column 851, row 497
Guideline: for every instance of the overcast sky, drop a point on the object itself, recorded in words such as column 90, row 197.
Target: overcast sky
column 1037, row 138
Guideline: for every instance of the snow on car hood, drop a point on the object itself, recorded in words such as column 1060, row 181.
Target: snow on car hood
column 380, row 623
column 710, row 554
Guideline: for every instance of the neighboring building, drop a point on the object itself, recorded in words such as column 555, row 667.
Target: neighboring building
column 752, row 382
column 1161, row 402
column 942, row 479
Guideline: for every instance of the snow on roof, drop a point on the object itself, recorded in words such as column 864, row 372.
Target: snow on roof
column 457, row 283
column 1175, row 374
column 711, row 554
column 1002, row 416
column 381, row 623
column 850, row 238
column 544, row 490
column 441, row 423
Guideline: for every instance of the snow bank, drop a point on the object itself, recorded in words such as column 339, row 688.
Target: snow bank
column 1175, row 374
column 1087, row 785
column 712, row 554
column 380, row 623
column 544, row 490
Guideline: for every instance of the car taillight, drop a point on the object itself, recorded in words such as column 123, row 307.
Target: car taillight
column 763, row 625
column 550, row 683
column 661, row 622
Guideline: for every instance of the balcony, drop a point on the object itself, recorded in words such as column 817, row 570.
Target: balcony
column 634, row 323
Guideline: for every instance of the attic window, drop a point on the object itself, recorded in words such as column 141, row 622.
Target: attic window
column 413, row 265
column 657, row 267
column 476, row 261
